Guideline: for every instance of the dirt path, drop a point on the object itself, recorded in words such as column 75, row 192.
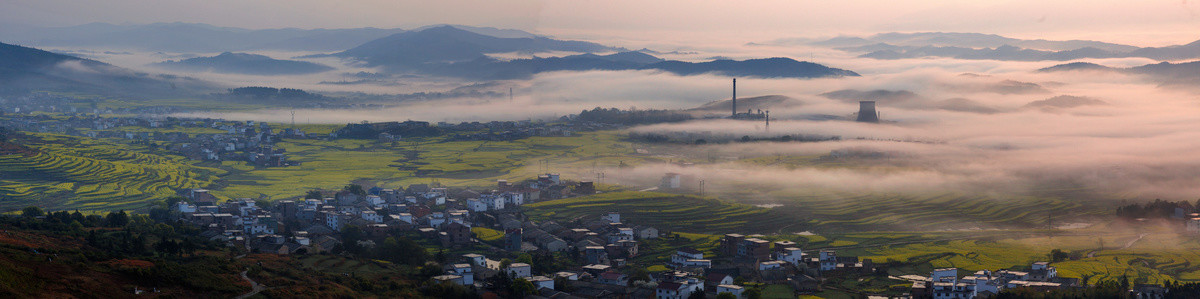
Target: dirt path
column 1092, row 254
column 1139, row 238
column 254, row 286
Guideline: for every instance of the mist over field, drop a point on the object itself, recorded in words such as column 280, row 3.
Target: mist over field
column 969, row 125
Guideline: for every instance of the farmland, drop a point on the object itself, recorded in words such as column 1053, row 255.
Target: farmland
column 92, row 174
column 683, row 213
column 332, row 163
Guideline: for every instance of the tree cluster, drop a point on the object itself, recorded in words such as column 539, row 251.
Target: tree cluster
column 1155, row 209
column 632, row 117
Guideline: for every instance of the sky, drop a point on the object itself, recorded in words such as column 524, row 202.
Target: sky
column 1143, row 23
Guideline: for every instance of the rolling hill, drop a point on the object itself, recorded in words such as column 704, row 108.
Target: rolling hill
column 978, row 46
column 1185, row 74
column 453, row 52
column 243, row 63
column 451, row 44
column 23, row 69
column 191, row 37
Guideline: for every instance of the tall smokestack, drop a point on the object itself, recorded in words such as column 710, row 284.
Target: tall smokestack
column 866, row 112
column 734, row 98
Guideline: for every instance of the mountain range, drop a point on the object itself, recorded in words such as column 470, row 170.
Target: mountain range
column 243, row 63
column 24, row 69
column 992, row 47
column 1186, row 74
column 450, row 51
column 190, row 37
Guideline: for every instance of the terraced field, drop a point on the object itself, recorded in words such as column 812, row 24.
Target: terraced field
column 90, row 174
column 332, row 163
column 848, row 212
column 670, row 212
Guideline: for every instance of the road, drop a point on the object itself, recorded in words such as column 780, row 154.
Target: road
column 254, row 286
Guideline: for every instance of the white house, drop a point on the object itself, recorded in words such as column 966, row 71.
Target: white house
column 770, row 265
column 184, row 207
column 520, row 270
column 542, row 282
column 513, row 198
column 405, row 217
column 476, row 205
column 372, row 217
column 729, row 288
column 944, row 274
column 464, row 270
column 828, row 259
column 683, row 254
column 791, row 255
column 375, row 200
column 476, row 259
column 493, row 202
column 672, row 290
column 436, row 219
column 455, row 279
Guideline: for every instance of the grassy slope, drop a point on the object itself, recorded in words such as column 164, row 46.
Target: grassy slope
column 93, row 174
column 669, row 212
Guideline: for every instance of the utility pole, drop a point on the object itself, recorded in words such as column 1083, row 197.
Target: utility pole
column 701, row 188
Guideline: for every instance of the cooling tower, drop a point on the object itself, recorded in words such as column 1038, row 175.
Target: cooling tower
column 866, row 112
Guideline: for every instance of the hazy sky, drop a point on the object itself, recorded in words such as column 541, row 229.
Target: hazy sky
column 1142, row 22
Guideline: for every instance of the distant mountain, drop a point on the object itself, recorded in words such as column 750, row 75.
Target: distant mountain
column 989, row 46
column 25, row 69
column 1005, row 52
column 768, row 67
column 981, row 40
column 450, row 44
column 1076, row 66
column 489, row 31
column 242, row 63
column 190, row 37
column 1185, row 75
column 453, row 52
column 1063, row 102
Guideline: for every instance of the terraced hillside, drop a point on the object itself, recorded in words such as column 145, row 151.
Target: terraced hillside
column 670, row 212
column 935, row 211
column 91, row 174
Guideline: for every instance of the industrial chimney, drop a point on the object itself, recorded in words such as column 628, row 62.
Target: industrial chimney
column 734, row 115
column 866, row 112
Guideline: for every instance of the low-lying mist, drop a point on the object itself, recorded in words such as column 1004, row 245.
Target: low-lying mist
column 970, row 126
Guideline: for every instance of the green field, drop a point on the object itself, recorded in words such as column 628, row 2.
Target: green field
column 92, row 174
column 668, row 212
column 333, row 163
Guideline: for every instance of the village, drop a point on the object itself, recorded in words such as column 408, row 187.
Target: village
column 599, row 248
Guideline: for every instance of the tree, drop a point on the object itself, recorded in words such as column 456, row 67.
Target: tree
column 314, row 194
column 450, row 290
column 753, row 293
column 116, row 219
column 726, row 295
column 521, row 288
column 356, row 189
column 32, row 211
column 563, row 284
column 697, row 295
column 1057, row 255
column 641, row 275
